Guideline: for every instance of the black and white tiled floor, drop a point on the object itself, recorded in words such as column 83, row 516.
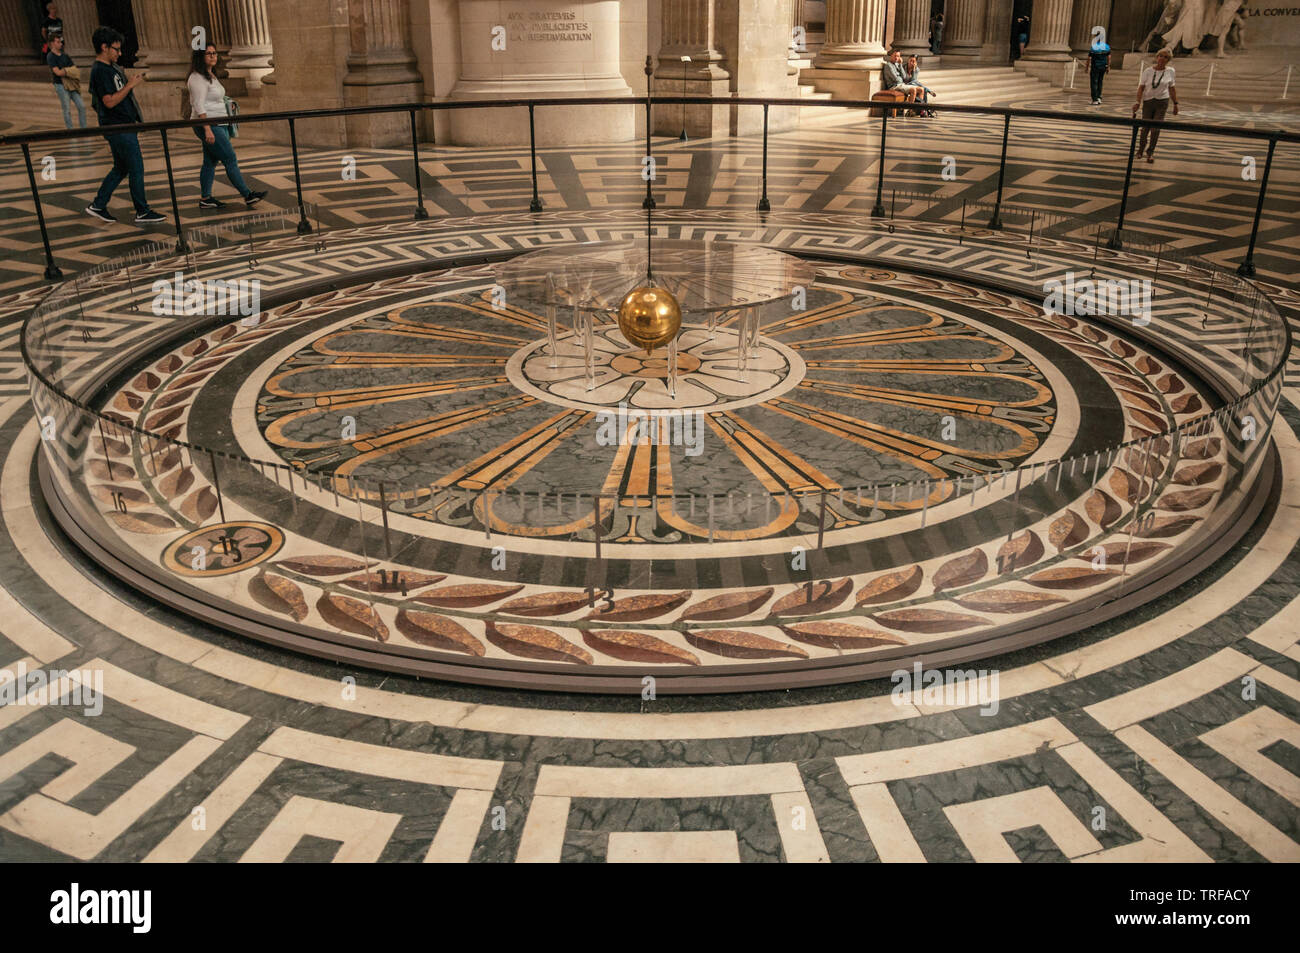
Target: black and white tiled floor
column 1170, row 733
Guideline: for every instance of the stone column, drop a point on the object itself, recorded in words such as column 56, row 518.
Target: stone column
column 250, row 41
column 689, row 28
column 1088, row 14
column 219, row 27
column 15, row 35
column 963, row 29
column 79, row 22
column 1049, row 30
column 381, row 69
column 163, row 28
column 912, row 27
column 855, row 33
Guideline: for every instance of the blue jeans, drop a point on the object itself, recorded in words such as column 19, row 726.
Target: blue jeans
column 75, row 96
column 127, row 162
column 219, row 150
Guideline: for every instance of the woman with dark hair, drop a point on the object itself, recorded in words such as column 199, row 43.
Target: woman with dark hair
column 208, row 101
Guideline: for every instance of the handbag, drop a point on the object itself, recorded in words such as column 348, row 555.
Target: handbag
column 232, row 111
column 72, row 79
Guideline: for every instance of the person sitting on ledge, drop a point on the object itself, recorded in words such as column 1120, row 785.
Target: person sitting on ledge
column 893, row 76
column 912, row 76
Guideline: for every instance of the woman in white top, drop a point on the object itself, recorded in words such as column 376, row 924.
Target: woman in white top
column 208, row 101
column 1155, row 91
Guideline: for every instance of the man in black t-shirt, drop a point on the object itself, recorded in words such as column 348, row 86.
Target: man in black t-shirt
column 59, row 63
column 115, row 105
column 51, row 25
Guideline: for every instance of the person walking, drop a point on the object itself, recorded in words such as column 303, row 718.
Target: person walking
column 1155, row 91
column 111, row 93
column 67, row 80
column 1098, row 67
column 208, row 101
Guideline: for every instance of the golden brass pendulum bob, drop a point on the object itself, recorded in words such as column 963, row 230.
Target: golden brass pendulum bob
column 649, row 317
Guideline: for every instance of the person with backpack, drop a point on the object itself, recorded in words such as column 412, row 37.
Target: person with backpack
column 207, row 100
column 111, row 93
column 67, row 80
column 1098, row 67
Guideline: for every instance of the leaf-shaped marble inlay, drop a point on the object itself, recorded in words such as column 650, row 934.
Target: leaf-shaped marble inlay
column 352, row 615
column 437, row 632
column 1144, row 462
column 1179, row 501
column 169, row 363
column 637, row 647
column 142, row 522
column 1124, row 485
column 1122, row 348
column 1164, row 527
column 927, row 620
column 962, row 570
column 108, row 493
column 1186, row 404
column 1144, row 419
column 531, row 641
column 324, row 565
column 1020, row 551
column 101, row 470
column 1170, row 384
column 1007, row 600
column 729, row 605
column 1203, row 449
column 733, row 643
column 399, row 580
column 1197, row 474
column 200, row 504
column 547, row 603
column 814, row 597
column 1071, row 577
column 1101, row 509
column 278, row 594
column 164, row 418
column 468, row 595
column 640, row 608
column 840, row 635
column 891, row 587
column 1120, row 554
column 1147, row 366
column 146, row 381
column 1068, row 530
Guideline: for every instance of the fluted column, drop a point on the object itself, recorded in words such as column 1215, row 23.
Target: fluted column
column 381, row 70
column 1049, row 30
column 690, row 29
column 79, row 21
column 15, row 34
column 163, row 29
column 250, row 40
column 855, row 34
column 1088, row 14
column 912, row 27
column 379, row 37
column 963, row 31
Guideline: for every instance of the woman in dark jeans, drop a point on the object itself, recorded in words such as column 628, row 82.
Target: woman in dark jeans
column 208, row 101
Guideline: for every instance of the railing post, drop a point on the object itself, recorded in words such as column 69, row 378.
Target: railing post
column 996, row 221
column 421, row 212
column 181, row 247
column 1247, row 268
column 649, row 200
column 763, row 204
column 304, row 227
column 879, row 208
column 52, row 272
column 536, row 204
column 1115, row 241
